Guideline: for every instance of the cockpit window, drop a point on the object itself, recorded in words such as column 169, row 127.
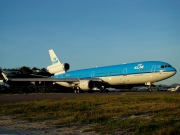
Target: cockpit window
column 169, row 66
column 165, row 66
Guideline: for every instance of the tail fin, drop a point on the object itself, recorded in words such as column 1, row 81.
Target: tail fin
column 54, row 58
column 57, row 67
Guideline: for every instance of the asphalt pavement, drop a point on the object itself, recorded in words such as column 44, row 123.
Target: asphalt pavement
column 60, row 96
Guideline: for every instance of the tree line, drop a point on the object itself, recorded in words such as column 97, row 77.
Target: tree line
column 25, row 69
column 27, row 87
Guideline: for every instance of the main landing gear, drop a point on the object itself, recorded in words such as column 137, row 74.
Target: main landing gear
column 77, row 90
column 103, row 89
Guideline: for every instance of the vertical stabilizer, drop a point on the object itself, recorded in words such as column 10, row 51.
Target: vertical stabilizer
column 57, row 67
column 54, row 58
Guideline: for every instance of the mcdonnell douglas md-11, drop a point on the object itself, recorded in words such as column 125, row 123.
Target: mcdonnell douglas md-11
column 146, row 73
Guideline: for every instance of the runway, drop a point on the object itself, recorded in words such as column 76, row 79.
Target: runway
column 59, row 96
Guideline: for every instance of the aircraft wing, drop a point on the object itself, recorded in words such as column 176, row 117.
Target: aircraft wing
column 44, row 79
column 49, row 79
column 52, row 79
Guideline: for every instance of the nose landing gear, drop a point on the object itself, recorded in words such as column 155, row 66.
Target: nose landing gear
column 149, row 86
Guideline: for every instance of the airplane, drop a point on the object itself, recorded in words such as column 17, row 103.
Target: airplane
column 173, row 89
column 3, row 85
column 146, row 73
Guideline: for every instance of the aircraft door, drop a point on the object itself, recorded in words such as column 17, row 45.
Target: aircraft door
column 153, row 76
column 153, row 68
column 92, row 74
column 125, row 72
column 124, row 77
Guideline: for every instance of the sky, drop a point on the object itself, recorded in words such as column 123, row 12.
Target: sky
column 89, row 33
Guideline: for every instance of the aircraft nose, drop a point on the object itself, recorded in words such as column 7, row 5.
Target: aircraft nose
column 174, row 70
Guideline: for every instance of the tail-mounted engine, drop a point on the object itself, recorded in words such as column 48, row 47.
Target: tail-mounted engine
column 58, row 68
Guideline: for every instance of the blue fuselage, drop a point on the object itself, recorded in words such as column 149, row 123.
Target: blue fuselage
column 119, row 70
column 129, row 70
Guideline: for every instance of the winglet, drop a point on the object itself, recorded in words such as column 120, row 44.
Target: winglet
column 5, row 77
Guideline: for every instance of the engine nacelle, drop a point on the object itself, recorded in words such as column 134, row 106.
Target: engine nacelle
column 58, row 68
column 86, row 84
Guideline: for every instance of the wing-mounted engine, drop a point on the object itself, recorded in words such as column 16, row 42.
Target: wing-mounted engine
column 86, row 84
column 58, row 68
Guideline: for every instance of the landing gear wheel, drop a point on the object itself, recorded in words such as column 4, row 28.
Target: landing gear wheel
column 102, row 89
column 75, row 91
column 150, row 90
column 78, row 90
column 149, row 86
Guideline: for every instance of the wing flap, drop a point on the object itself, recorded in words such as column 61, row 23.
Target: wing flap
column 93, row 79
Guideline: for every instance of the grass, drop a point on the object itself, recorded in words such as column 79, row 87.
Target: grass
column 129, row 114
